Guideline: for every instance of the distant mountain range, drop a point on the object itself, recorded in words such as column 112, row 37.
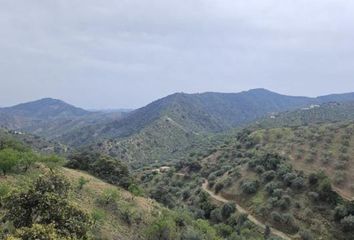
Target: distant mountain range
column 51, row 118
column 46, row 108
column 167, row 120
column 203, row 113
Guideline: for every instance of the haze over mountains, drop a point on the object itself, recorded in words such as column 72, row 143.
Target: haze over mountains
column 164, row 127
column 205, row 112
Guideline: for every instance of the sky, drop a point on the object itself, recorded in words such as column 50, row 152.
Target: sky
column 127, row 53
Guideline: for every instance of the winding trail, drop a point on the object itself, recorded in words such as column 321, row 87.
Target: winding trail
column 242, row 210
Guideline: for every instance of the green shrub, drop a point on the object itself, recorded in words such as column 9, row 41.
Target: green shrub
column 228, row 209
column 250, row 186
column 348, row 223
column 109, row 196
column 276, row 217
column 102, row 166
column 45, row 203
column 81, row 182
column 218, row 187
column 98, row 216
column 9, row 159
column 162, row 229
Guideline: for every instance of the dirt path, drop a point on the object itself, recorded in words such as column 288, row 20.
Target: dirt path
column 343, row 194
column 242, row 210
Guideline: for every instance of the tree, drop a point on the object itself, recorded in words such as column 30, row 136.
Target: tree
column 27, row 159
column 53, row 161
column 276, row 217
column 37, row 231
column 163, row 228
column 44, row 204
column 135, row 190
column 348, row 223
column 267, row 232
column 250, row 186
column 52, row 183
column 228, row 209
column 218, row 187
column 9, row 158
column 102, row 166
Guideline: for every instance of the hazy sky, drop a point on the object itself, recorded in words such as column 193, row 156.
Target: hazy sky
column 126, row 53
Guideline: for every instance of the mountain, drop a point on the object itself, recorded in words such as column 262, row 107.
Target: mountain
column 44, row 109
column 51, row 118
column 163, row 130
column 199, row 113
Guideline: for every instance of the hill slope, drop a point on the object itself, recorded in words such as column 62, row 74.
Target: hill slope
column 324, row 113
column 44, row 109
column 51, row 118
column 206, row 112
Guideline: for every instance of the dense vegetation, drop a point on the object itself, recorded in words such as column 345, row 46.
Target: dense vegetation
column 66, row 204
column 265, row 183
column 290, row 175
column 102, row 166
column 324, row 113
column 327, row 147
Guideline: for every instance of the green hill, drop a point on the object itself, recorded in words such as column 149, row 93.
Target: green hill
column 324, row 113
column 298, row 197
column 44, row 200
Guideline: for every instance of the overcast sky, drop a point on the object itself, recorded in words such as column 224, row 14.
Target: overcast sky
column 126, row 53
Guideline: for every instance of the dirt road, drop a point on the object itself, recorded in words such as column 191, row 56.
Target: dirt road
column 250, row 217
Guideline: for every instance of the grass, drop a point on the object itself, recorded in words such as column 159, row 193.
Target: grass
column 110, row 218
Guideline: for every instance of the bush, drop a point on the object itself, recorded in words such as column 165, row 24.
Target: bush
column 52, row 183
column 228, row 209
column 109, row 196
column 268, row 175
column 218, row 187
column 53, row 161
column 306, row 235
column 250, row 186
column 45, row 203
column 102, row 166
column 288, row 178
column 340, row 212
column 97, row 216
column 348, row 223
column 37, row 231
column 298, row 183
column 191, row 234
column 81, row 182
column 224, row 230
column 215, row 215
column 276, row 217
column 9, row 158
column 271, row 186
column 162, row 229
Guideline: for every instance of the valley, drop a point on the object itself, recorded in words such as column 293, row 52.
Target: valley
column 249, row 165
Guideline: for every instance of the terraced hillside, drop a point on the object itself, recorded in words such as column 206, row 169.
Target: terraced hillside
column 159, row 143
column 257, row 170
column 328, row 147
column 323, row 113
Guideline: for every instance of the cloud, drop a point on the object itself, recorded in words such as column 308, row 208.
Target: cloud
column 126, row 53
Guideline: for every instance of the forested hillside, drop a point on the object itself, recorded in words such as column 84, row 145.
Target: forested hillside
column 296, row 200
column 201, row 113
column 42, row 200
column 324, row 113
